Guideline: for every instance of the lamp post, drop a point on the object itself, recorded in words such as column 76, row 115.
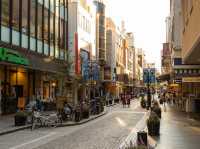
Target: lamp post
column 148, row 90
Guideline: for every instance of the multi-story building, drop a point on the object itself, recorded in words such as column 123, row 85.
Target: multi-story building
column 190, row 34
column 129, row 54
column 135, row 67
column 120, row 67
column 111, row 48
column 166, row 59
column 110, row 67
column 82, row 42
column 100, row 35
column 33, row 50
column 141, row 64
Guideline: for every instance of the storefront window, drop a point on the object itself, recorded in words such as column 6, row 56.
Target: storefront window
column 5, row 12
column 25, row 16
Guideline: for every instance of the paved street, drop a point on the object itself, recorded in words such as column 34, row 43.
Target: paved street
column 106, row 132
column 178, row 131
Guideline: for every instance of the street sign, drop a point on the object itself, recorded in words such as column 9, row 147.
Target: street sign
column 149, row 75
column 145, row 75
column 152, row 75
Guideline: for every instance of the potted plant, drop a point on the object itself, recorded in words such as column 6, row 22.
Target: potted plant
column 143, row 102
column 85, row 112
column 157, row 109
column 153, row 124
column 20, row 118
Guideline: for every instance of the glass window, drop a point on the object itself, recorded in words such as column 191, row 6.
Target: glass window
column 62, row 9
column 25, row 16
column 46, row 25
column 56, row 36
column 52, row 8
column 52, row 34
column 33, row 16
column 57, row 31
column 15, row 20
column 39, row 27
column 5, row 12
column 62, row 23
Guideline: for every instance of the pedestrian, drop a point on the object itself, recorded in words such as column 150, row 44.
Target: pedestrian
column 164, row 99
column 128, row 101
column 123, row 99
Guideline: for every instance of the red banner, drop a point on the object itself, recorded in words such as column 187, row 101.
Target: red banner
column 77, row 54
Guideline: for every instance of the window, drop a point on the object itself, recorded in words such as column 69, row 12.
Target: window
column 15, row 19
column 5, row 12
column 46, row 25
column 39, row 27
column 24, row 16
column 52, row 32
column 62, row 24
column 32, row 20
column 57, row 30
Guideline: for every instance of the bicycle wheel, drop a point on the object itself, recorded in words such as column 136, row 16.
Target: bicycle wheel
column 36, row 122
column 58, row 122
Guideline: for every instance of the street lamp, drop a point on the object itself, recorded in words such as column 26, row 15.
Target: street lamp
column 148, row 73
column 148, row 90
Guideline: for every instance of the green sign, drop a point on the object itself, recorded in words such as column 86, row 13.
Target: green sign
column 12, row 56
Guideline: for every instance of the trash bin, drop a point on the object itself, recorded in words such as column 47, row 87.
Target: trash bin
column 142, row 138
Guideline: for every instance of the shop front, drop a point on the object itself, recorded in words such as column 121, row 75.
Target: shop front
column 27, row 77
column 186, row 84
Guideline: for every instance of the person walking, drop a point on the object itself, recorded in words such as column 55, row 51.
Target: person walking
column 128, row 100
column 123, row 100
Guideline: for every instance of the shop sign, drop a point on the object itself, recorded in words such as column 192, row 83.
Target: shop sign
column 190, row 79
column 107, row 73
column 149, row 75
column 12, row 56
column 77, row 55
column 85, row 69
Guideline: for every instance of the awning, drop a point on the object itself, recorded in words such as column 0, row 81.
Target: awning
column 164, row 77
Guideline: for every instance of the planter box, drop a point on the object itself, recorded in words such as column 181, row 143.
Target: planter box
column 20, row 120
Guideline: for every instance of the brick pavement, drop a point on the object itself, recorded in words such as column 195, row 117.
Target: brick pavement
column 178, row 131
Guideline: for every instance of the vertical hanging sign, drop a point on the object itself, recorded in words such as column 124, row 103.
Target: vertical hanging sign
column 77, row 54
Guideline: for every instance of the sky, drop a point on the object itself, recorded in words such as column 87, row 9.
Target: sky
column 146, row 19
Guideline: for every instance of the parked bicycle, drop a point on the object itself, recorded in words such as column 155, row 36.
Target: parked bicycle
column 46, row 119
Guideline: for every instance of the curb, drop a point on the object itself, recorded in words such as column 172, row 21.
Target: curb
column 83, row 121
column 63, row 125
column 14, row 129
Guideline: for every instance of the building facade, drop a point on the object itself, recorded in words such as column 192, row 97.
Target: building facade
column 190, row 34
column 129, row 54
column 33, row 51
column 82, row 43
column 100, row 35
column 110, row 67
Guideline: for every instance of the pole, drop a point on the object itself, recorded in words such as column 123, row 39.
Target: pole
column 148, row 92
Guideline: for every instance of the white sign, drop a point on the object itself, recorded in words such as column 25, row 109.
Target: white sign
column 191, row 79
